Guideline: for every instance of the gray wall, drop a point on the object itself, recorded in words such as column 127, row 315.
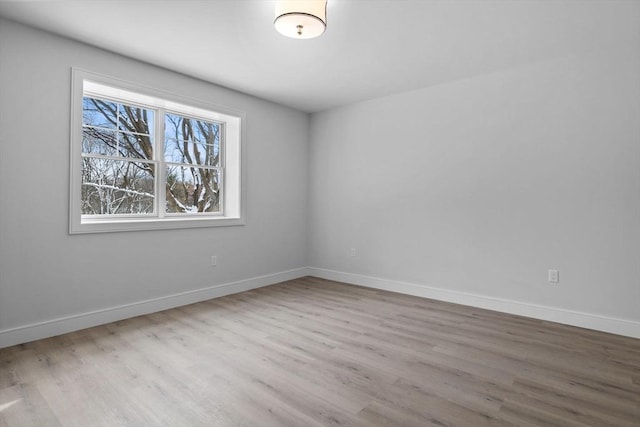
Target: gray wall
column 475, row 187
column 46, row 274
column 481, row 185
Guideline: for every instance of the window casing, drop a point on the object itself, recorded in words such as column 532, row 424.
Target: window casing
column 145, row 159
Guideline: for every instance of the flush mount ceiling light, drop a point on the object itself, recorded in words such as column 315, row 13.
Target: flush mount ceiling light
column 301, row 19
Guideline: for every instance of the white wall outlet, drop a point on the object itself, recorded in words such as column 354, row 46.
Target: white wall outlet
column 553, row 276
column 214, row 260
column 352, row 252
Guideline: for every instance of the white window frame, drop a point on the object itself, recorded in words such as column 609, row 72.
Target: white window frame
column 232, row 212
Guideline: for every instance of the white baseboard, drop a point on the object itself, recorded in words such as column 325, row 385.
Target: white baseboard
column 23, row 334
column 76, row 322
column 612, row 325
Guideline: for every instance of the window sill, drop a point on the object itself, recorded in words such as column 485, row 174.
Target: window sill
column 142, row 224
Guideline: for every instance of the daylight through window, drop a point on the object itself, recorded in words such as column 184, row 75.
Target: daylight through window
column 145, row 162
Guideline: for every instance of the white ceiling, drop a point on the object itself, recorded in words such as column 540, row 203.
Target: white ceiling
column 371, row 48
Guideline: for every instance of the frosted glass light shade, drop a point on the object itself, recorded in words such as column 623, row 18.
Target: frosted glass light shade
column 301, row 19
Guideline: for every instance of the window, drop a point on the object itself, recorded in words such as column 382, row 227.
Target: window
column 143, row 159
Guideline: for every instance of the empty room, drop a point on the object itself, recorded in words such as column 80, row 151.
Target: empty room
column 284, row 213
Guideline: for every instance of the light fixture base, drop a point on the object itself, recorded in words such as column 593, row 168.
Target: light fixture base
column 301, row 19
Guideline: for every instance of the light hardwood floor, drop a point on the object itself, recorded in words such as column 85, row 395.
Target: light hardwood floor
column 311, row 352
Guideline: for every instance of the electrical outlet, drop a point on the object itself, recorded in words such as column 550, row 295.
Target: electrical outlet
column 352, row 252
column 553, row 276
column 214, row 260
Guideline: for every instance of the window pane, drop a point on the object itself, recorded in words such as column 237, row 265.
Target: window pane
column 205, row 132
column 99, row 141
column 134, row 145
column 173, row 126
column 176, row 151
column 132, row 129
column 135, row 119
column 191, row 141
column 111, row 187
column 192, row 189
column 96, row 112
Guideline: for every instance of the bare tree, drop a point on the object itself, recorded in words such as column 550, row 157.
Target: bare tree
column 118, row 168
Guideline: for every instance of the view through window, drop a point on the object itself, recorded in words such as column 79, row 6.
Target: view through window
column 145, row 159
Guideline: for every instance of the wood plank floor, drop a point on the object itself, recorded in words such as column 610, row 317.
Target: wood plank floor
column 311, row 352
